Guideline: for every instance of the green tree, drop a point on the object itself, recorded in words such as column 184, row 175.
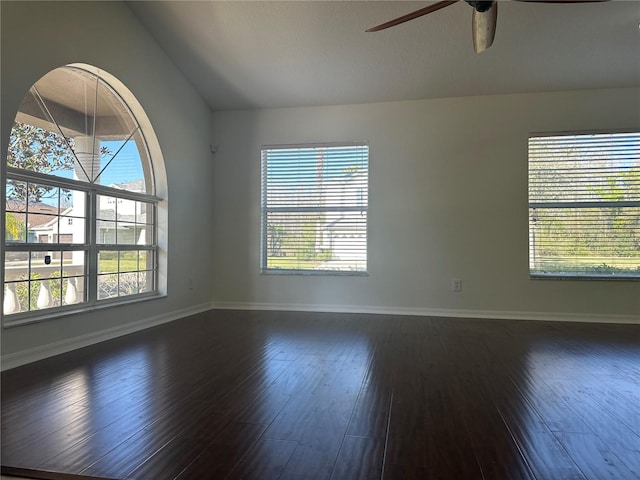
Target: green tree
column 623, row 224
column 43, row 151
column 14, row 227
column 38, row 150
column 275, row 235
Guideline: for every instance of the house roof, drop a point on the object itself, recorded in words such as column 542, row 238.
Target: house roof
column 300, row 53
column 132, row 186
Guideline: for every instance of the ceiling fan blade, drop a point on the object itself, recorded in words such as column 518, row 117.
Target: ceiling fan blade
column 411, row 16
column 483, row 26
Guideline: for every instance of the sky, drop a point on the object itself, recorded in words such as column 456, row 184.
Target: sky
column 125, row 166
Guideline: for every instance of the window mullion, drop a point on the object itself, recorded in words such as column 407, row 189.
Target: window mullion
column 91, row 232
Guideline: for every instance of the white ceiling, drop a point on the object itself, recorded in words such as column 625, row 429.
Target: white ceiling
column 243, row 54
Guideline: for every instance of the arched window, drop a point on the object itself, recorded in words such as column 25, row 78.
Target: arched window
column 80, row 198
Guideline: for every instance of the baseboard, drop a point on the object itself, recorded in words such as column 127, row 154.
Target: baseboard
column 13, row 360
column 437, row 312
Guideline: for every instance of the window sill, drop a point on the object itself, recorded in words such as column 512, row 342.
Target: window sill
column 567, row 276
column 324, row 273
column 7, row 322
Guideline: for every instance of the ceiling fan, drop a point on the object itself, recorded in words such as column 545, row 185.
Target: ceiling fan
column 483, row 21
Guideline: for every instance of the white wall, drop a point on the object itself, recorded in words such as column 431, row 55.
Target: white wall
column 448, row 199
column 38, row 37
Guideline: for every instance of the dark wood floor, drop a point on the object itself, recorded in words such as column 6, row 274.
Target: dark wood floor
column 274, row 395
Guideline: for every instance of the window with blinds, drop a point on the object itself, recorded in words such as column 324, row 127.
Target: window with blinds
column 584, row 205
column 314, row 209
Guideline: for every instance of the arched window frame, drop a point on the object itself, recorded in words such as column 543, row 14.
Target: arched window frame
column 153, row 250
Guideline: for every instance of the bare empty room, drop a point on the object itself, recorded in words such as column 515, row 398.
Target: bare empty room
column 320, row 240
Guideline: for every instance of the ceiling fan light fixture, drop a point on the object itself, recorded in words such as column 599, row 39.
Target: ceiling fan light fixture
column 483, row 27
column 480, row 6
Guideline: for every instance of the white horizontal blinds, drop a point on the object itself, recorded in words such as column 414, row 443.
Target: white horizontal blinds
column 314, row 205
column 584, row 205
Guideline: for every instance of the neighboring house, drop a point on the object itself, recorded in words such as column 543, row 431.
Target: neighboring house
column 40, row 215
column 59, row 229
column 55, row 230
column 335, row 229
column 344, row 233
column 123, row 221
column 68, row 226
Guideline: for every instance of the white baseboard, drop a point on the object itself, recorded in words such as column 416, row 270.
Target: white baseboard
column 437, row 312
column 23, row 357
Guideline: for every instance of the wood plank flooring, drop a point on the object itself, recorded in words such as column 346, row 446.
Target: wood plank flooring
column 305, row 396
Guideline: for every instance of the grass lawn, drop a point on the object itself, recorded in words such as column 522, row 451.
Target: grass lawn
column 126, row 265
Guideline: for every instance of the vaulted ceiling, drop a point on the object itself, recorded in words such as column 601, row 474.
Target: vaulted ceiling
column 242, row 54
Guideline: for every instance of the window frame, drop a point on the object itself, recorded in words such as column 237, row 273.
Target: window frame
column 532, row 206
column 265, row 210
column 91, row 245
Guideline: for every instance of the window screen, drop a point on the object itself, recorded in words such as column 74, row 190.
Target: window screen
column 584, row 205
column 314, row 208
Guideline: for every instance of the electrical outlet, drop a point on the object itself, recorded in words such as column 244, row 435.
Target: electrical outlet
column 456, row 285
